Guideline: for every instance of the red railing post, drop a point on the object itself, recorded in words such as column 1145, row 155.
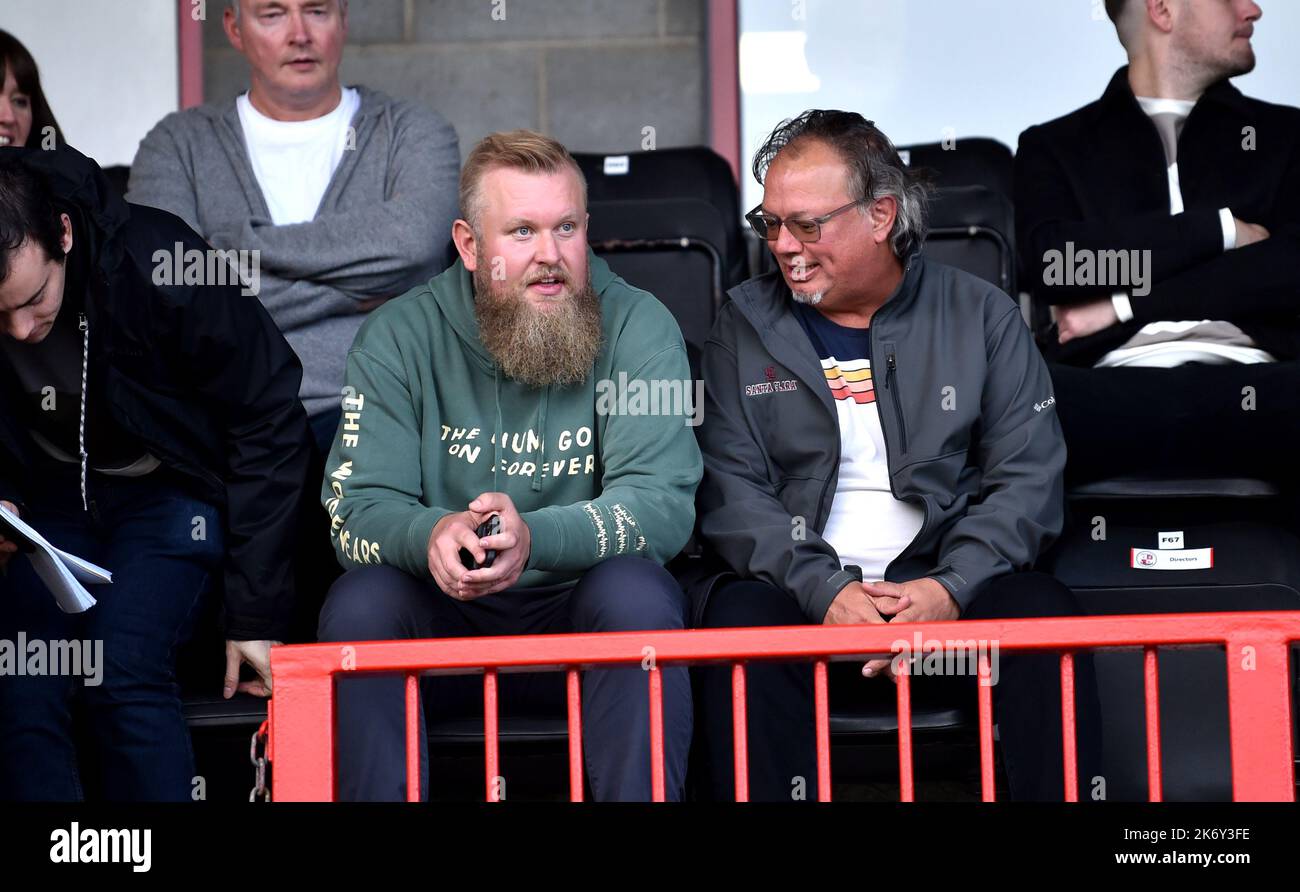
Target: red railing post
column 988, row 780
column 412, row 737
column 1259, row 717
column 492, row 757
column 740, row 731
column 1151, row 694
column 574, row 682
column 906, row 793
column 302, row 726
column 821, row 715
column 656, row 735
column 1069, row 742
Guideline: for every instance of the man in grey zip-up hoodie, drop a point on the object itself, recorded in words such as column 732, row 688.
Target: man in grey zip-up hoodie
column 344, row 196
column 870, row 415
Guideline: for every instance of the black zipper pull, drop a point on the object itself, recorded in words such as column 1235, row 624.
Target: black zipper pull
column 891, row 366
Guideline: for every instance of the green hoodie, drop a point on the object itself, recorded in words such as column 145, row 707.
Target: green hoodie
column 430, row 423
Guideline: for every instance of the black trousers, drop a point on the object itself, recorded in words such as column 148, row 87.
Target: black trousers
column 620, row 594
column 782, row 736
column 1192, row 420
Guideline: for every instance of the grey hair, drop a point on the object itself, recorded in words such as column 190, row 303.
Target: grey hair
column 234, row 4
column 875, row 168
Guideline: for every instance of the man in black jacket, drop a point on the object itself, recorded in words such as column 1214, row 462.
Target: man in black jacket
column 869, row 416
column 1163, row 223
column 152, row 426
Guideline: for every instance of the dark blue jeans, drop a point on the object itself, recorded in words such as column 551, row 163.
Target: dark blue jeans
column 163, row 547
column 324, row 427
column 617, row 595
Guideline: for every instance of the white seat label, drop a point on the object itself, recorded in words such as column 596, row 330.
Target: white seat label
column 1172, row 559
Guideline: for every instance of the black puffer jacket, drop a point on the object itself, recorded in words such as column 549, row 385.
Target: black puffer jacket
column 199, row 373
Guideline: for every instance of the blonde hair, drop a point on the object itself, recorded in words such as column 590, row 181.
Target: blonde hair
column 525, row 150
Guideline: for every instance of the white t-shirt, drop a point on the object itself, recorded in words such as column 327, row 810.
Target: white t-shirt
column 295, row 160
column 867, row 525
column 1173, row 343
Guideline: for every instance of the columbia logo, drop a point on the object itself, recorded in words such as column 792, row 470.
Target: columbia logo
column 1045, row 404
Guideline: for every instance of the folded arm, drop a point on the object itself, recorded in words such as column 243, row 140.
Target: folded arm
column 1049, row 218
column 383, row 248
column 1259, row 280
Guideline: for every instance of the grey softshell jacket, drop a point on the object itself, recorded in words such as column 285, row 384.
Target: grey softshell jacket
column 971, row 433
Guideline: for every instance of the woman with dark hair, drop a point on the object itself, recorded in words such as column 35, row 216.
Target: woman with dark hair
column 24, row 113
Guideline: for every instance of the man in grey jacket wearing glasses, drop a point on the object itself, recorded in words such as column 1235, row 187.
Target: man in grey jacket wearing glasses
column 880, row 445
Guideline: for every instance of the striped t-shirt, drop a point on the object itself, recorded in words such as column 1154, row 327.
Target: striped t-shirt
column 867, row 525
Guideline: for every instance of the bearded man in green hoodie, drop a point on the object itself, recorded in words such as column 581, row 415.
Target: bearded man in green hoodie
column 488, row 392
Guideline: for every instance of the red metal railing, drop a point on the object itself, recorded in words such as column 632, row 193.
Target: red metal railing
column 1256, row 646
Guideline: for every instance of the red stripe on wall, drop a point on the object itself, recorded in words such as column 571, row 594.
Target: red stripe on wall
column 724, row 81
column 190, row 50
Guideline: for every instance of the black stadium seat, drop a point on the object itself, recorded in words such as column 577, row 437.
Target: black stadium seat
column 668, row 221
column 972, row 218
column 1256, row 567
column 692, row 173
column 671, row 248
column 971, row 161
column 1130, row 488
column 973, row 229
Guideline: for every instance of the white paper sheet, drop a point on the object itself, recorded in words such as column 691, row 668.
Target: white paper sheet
column 62, row 572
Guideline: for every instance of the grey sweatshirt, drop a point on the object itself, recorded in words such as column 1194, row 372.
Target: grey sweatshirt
column 383, row 225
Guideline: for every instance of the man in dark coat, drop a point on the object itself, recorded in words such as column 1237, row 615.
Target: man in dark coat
column 1162, row 222
column 149, row 423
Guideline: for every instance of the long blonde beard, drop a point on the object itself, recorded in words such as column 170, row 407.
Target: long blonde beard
column 539, row 348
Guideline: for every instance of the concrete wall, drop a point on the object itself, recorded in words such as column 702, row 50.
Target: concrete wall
column 592, row 73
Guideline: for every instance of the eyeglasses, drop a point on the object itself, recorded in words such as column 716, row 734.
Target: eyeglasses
column 807, row 229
